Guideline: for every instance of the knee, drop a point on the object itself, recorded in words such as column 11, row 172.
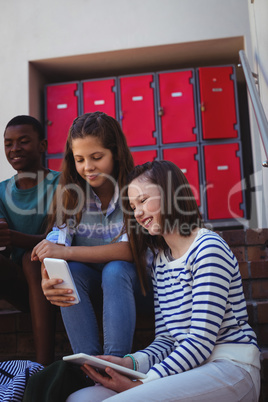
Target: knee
column 118, row 271
column 31, row 269
column 77, row 269
column 26, row 258
column 81, row 274
column 2, row 259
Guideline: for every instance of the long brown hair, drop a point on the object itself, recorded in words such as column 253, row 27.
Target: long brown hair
column 71, row 185
column 178, row 207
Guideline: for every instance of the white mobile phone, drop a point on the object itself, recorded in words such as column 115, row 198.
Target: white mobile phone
column 59, row 269
column 82, row 358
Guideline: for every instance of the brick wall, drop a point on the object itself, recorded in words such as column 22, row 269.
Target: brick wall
column 251, row 250
column 16, row 339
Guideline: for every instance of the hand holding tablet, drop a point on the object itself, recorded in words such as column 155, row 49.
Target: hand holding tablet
column 82, row 358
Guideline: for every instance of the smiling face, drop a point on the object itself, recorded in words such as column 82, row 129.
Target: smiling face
column 94, row 163
column 145, row 200
column 23, row 148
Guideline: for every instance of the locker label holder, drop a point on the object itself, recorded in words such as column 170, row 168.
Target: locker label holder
column 176, row 94
column 137, row 98
column 99, row 102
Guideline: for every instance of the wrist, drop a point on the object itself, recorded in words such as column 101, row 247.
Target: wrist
column 67, row 253
column 128, row 362
column 132, row 361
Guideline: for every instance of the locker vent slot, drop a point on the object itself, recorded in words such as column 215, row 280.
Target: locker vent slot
column 62, row 106
column 224, row 167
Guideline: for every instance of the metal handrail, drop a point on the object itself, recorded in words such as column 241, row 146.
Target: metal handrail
column 256, row 103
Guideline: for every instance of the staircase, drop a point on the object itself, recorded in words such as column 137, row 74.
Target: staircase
column 251, row 250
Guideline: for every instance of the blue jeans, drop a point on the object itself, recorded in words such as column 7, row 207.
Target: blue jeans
column 112, row 288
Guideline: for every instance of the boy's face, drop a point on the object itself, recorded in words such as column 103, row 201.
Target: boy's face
column 23, row 148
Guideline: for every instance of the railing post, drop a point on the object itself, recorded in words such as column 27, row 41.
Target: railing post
column 256, row 103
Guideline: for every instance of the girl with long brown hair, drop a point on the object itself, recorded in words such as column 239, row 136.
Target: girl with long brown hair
column 88, row 216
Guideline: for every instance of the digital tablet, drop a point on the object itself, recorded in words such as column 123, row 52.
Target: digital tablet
column 59, row 269
column 82, row 358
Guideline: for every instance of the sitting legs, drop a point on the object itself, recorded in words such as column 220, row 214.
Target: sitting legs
column 43, row 313
column 116, row 285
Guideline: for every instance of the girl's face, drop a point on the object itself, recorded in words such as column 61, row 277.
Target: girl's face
column 145, row 200
column 94, row 163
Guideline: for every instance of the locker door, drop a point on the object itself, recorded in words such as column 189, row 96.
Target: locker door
column 137, row 109
column 141, row 157
column 223, row 181
column 184, row 158
column 61, row 109
column 99, row 95
column 176, row 97
column 217, row 102
column 54, row 164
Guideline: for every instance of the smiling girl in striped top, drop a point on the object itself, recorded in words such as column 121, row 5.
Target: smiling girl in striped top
column 204, row 348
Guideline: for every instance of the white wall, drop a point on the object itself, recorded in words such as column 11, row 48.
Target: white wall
column 36, row 29
column 33, row 30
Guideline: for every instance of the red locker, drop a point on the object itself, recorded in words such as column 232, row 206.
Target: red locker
column 177, row 107
column 99, row 95
column 141, row 157
column 54, row 164
column 223, row 181
column 61, row 109
column 184, row 158
column 217, row 102
column 137, row 109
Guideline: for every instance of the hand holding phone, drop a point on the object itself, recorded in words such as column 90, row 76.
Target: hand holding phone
column 59, row 269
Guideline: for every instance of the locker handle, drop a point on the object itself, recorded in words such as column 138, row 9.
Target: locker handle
column 49, row 123
column 160, row 111
column 203, row 109
column 121, row 115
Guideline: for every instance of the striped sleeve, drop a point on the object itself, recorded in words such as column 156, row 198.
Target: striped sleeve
column 161, row 347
